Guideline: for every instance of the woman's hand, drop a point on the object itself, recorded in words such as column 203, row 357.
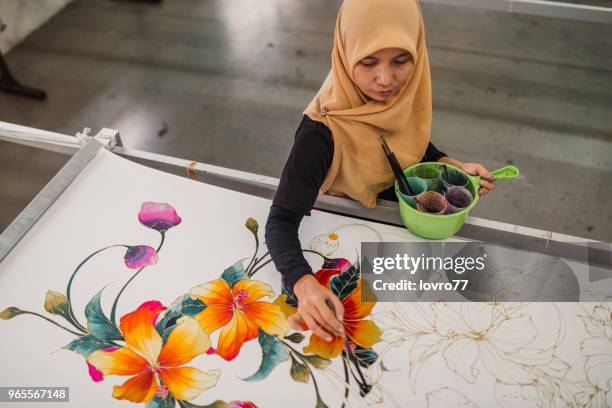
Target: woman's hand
column 318, row 309
column 486, row 178
column 475, row 169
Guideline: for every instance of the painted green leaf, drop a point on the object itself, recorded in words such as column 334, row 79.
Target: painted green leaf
column 97, row 323
column 171, row 314
column 295, row 337
column 274, row 353
column 291, row 299
column 216, row 404
column 345, row 283
column 234, row 273
column 191, row 307
column 159, row 402
column 165, row 325
column 183, row 305
column 365, row 357
column 317, row 361
column 85, row 345
column 320, row 403
column 299, row 372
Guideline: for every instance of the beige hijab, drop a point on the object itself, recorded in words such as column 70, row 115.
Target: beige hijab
column 359, row 167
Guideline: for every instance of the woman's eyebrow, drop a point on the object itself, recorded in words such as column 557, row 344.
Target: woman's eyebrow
column 403, row 54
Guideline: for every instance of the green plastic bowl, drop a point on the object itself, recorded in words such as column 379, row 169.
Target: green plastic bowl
column 432, row 226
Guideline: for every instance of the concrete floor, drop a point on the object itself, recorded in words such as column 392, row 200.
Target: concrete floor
column 222, row 82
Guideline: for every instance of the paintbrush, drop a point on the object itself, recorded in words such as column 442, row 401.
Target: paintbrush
column 397, row 169
column 446, row 175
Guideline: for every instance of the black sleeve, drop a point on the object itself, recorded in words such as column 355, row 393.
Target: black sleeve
column 302, row 176
column 432, row 154
column 306, row 167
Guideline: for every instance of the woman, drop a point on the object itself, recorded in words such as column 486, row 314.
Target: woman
column 379, row 84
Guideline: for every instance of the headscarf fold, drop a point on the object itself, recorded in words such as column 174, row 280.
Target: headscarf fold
column 359, row 167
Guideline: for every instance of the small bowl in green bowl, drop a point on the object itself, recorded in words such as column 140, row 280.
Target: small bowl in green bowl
column 433, row 226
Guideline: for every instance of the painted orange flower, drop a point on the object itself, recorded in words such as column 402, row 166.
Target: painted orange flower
column 364, row 333
column 239, row 311
column 156, row 366
column 361, row 332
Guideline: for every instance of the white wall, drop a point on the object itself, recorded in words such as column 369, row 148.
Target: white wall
column 24, row 16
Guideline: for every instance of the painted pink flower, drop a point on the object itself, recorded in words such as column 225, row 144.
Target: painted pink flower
column 158, row 216
column 95, row 375
column 139, row 256
column 241, row 404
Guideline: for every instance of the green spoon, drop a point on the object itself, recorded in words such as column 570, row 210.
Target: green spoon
column 505, row 173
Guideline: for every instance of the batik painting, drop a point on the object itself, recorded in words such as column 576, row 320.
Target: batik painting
column 139, row 287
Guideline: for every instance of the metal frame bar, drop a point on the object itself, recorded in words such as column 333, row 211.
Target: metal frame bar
column 47, row 196
column 555, row 9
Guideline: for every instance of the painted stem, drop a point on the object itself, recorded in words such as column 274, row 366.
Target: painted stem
column 358, row 368
column 261, row 258
column 255, row 269
column 316, row 386
column 347, row 380
column 259, row 267
column 255, row 253
column 363, row 384
column 114, row 308
column 302, row 357
column 315, row 252
column 361, row 380
column 53, row 322
column 75, row 321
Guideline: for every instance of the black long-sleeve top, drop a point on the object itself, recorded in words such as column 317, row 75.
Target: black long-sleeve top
column 302, row 177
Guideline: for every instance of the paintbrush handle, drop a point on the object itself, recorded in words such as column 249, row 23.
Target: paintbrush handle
column 399, row 175
column 396, row 168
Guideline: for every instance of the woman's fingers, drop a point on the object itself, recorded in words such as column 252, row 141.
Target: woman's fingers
column 337, row 307
column 320, row 312
column 297, row 323
column 487, row 185
column 316, row 328
column 329, row 317
column 484, row 173
column 477, row 169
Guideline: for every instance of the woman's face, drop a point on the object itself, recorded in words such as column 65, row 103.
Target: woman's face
column 383, row 73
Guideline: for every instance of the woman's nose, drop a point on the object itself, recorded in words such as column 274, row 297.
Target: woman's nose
column 384, row 77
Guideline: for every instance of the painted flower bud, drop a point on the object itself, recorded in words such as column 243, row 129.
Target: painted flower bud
column 10, row 312
column 139, row 256
column 241, row 404
column 252, row 225
column 158, row 216
column 95, row 374
column 57, row 303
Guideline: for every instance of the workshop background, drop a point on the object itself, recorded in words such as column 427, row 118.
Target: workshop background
column 224, row 82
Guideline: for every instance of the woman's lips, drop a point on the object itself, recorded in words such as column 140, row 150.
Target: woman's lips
column 383, row 94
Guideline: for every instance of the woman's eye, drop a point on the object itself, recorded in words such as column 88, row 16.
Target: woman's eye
column 368, row 63
column 403, row 61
